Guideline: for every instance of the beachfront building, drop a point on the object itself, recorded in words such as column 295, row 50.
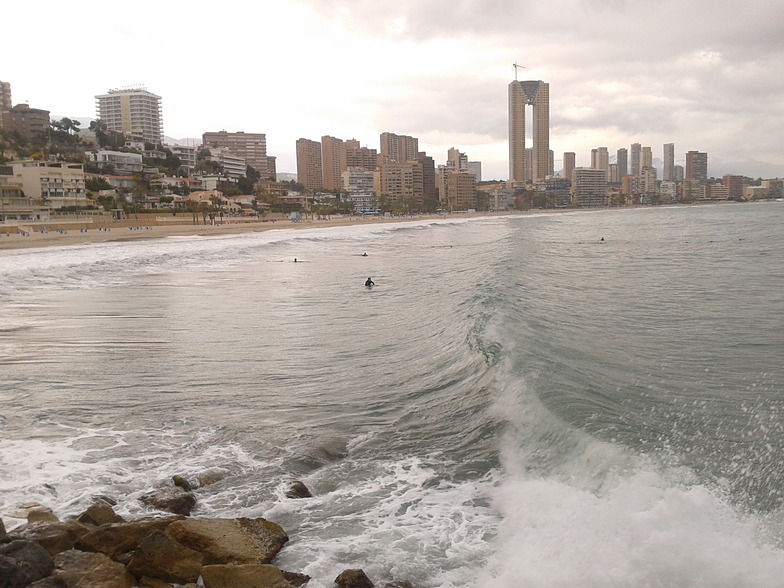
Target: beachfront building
column 399, row 148
column 400, row 184
column 648, row 185
column 132, row 110
column 734, row 186
column 556, row 191
column 14, row 204
column 568, row 165
column 622, row 159
column 250, row 147
column 58, row 184
column 333, row 162
column 309, row 164
column 589, row 187
column 460, row 190
column 634, row 161
column 668, row 171
column 360, row 158
column 696, row 166
column 537, row 95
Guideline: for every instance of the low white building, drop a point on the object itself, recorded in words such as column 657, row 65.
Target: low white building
column 57, row 183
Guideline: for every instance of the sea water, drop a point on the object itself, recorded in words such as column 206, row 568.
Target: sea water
column 573, row 399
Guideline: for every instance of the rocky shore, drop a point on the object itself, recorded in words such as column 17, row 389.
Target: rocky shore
column 99, row 549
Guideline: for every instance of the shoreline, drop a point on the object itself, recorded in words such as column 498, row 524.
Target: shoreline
column 123, row 231
column 76, row 233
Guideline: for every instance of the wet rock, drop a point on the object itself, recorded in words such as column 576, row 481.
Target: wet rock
column 298, row 490
column 50, row 582
column 209, row 479
column 146, row 582
column 116, row 539
column 41, row 514
column 23, row 562
column 3, row 534
column 247, row 576
column 353, row 579
column 80, row 569
column 230, row 541
column 295, row 578
column 181, row 482
column 160, row 556
column 171, row 499
column 52, row 536
column 99, row 514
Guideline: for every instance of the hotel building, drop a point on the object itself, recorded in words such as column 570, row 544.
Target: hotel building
column 133, row 111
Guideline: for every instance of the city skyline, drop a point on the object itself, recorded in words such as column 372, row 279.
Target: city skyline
column 701, row 76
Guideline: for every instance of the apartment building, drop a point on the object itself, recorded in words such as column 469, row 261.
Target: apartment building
column 132, row 110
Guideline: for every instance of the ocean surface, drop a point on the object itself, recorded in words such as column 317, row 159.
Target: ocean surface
column 515, row 403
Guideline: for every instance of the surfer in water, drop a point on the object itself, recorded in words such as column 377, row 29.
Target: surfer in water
column 369, row 283
column 364, row 255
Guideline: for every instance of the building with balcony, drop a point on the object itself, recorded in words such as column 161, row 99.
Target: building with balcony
column 251, row 147
column 58, row 184
column 132, row 110
column 589, row 187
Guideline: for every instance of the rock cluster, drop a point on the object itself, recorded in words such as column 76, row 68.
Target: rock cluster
column 99, row 549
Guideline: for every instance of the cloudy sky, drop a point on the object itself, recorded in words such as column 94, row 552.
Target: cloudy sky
column 707, row 75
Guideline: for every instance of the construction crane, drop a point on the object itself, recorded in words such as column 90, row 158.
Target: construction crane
column 516, row 68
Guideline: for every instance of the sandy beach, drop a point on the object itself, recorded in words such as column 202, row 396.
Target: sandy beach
column 54, row 234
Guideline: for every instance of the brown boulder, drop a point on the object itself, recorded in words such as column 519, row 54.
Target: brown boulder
column 80, row 569
column 99, row 514
column 145, row 582
column 298, row 490
column 160, row 556
column 230, row 541
column 23, row 562
column 246, row 576
column 41, row 514
column 50, row 582
column 353, row 579
column 171, row 499
column 183, row 483
column 295, row 578
column 52, row 536
column 118, row 538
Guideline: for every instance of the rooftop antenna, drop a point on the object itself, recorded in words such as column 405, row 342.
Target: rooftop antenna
column 516, row 68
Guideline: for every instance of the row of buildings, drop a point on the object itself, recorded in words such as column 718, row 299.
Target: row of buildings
column 632, row 178
column 396, row 176
column 30, row 188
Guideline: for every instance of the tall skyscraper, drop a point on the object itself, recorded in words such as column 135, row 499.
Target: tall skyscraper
column 568, row 164
column 646, row 158
column 398, row 147
column 635, row 160
column 600, row 159
column 668, row 171
column 536, row 94
column 622, row 159
column 696, row 166
column 333, row 162
column 252, row 147
column 133, row 111
column 309, row 164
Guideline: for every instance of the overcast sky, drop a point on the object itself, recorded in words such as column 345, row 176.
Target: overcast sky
column 707, row 75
